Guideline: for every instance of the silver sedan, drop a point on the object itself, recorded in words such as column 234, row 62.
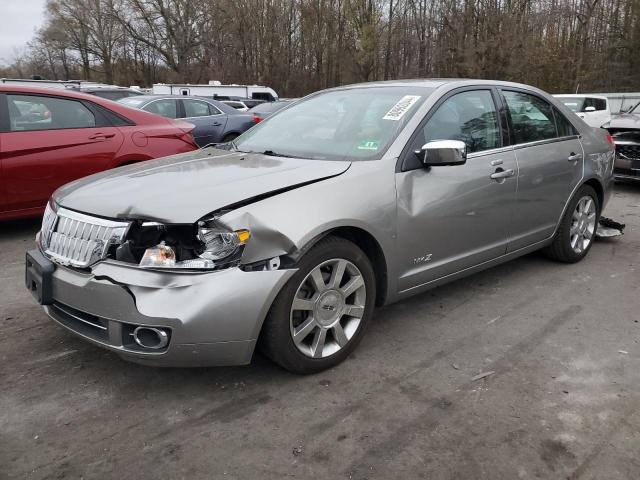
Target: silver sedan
column 290, row 236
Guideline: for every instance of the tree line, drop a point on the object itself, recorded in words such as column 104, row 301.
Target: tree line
column 298, row 46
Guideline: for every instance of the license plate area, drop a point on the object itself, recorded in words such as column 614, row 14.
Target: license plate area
column 38, row 276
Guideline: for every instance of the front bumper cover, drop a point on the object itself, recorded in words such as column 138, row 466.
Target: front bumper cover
column 214, row 318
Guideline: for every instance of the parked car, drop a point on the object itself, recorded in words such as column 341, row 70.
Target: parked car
column 251, row 102
column 267, row 109
column 595, row 110
column 50, row 137
column 214, row 121
column 237, row 104
column 111, row 93
column 291, row 235
column 625, row 130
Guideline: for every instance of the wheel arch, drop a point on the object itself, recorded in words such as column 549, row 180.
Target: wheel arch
column 371, row 248
column 597, row 186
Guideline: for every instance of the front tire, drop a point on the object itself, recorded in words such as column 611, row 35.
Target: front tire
column 322, row 312
column 577, row 229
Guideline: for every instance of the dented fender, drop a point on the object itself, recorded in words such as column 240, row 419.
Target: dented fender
column 291, row 222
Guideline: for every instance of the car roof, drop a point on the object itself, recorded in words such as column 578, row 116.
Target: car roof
column 62, row 92
column 138, row 116
column 435, row 83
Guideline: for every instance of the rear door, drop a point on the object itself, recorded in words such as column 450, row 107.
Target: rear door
column 210, row 122
column 49, row 141
column 550, row 163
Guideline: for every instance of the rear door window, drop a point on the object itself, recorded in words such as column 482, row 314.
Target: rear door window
column 531, row 117
column 35, row 112
column 167, row 108
column 197, row 108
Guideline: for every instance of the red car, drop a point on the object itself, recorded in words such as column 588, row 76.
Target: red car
column 49, row 137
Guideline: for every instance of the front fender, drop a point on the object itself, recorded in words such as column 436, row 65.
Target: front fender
column 290, row 222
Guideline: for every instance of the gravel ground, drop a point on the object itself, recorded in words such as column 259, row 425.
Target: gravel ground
column 563, row 400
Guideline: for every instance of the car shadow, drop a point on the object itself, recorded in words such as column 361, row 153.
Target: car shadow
column 12, row 229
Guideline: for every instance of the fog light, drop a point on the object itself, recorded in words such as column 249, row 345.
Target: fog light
column 151, row 337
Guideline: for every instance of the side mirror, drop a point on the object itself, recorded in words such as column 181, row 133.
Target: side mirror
column 590, row 109
column 439, row 153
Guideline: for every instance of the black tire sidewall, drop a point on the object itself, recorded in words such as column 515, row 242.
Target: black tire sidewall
column 276, row 341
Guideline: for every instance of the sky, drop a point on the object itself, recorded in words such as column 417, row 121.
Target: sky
column 20, row 19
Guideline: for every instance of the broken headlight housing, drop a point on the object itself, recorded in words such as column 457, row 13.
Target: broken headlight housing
column 213, row 247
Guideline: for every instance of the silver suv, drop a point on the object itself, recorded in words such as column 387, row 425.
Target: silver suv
column 288, row 237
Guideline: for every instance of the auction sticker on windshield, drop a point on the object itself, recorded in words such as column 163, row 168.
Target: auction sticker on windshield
column 402, row 107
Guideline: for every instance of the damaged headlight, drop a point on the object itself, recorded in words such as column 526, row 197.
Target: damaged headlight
column 218, row 248
column 220, row 244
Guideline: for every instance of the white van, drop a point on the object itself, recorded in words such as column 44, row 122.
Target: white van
column 595, row 110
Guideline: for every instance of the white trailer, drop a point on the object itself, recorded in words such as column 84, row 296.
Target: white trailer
column 215, row 89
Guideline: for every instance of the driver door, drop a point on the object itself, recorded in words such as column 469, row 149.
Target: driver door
column 451, row 218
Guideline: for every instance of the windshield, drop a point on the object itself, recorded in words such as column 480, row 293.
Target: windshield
column 134, row 101
column 575, row 104
column 350, row 124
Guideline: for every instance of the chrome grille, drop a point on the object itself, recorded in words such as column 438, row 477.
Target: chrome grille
column 78, row 240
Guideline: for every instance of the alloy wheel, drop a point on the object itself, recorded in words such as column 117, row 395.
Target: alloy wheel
column 327, row 308
column 583, row 225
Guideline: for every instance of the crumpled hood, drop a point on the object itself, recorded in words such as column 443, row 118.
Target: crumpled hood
column 184, row 188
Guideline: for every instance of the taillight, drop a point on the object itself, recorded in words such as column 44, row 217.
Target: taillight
column 257, row 119
column 610, row 140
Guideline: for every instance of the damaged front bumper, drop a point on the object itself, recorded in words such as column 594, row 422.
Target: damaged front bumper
column 211, row 318
column 627, row 161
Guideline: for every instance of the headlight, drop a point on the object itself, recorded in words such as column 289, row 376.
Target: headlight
column 219, row 248
column 220, row 244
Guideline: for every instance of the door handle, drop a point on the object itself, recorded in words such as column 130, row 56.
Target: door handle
column 501, row 174
column 216, row 124
column 101, row 136
column 574, row 157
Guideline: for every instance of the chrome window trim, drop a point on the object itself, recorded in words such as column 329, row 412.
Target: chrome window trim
column 518, row 146
column 491, row 151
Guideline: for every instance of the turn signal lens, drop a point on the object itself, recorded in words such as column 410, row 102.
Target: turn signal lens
column 243, row 236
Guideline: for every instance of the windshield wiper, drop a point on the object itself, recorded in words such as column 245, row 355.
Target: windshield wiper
column 271, row 153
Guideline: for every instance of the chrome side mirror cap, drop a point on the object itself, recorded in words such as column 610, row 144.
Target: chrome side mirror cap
column 439, row 153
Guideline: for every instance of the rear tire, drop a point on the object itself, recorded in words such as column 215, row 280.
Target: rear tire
column 577, row 229
column 334, row 291
column 229, row 137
